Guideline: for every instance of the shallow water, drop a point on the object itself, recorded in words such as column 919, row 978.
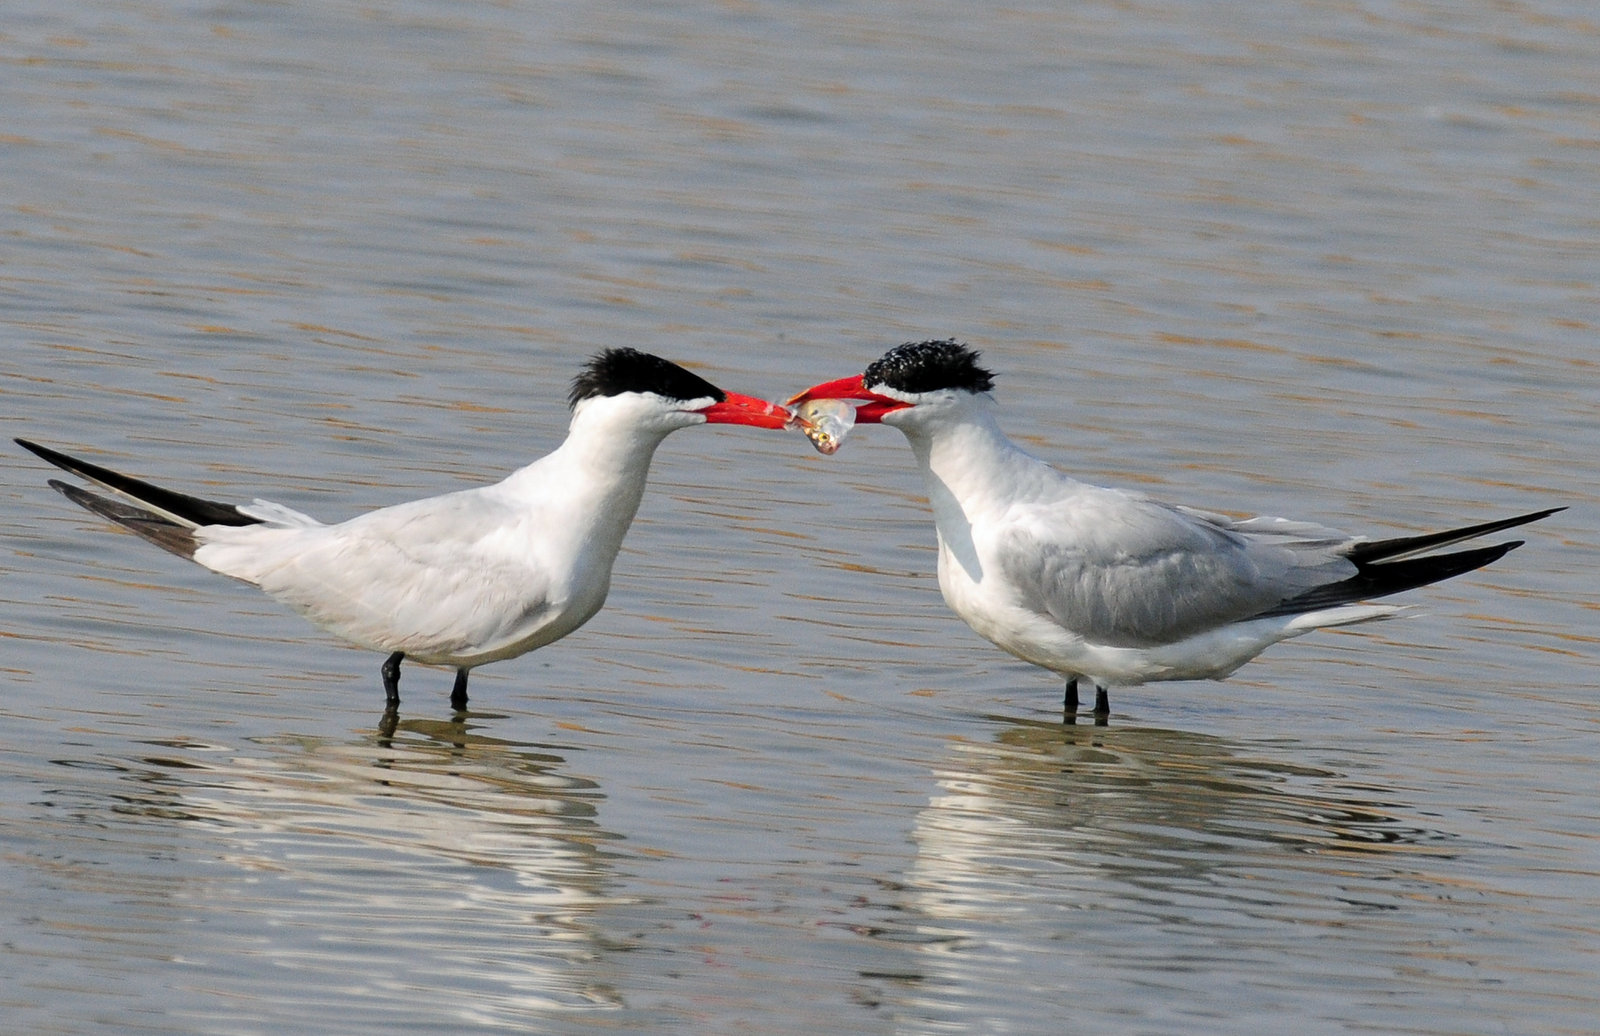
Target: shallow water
column 1333, row 260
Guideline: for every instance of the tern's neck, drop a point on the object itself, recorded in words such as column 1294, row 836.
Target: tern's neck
column 969, row 460
column 598, row 474
column 973, row 472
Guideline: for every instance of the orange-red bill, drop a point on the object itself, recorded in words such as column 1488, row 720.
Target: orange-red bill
column 748, row 410
column 870, row 406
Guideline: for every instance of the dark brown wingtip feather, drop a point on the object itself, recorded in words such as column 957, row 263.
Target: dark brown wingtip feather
column 167, row 535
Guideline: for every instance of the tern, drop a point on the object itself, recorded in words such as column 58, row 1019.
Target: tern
column 462, row 579
column 1110, row 586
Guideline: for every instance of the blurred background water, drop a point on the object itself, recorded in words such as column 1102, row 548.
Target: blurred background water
column 1331, row 258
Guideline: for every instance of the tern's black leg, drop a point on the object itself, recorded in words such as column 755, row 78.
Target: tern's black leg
column 391, row 677
column 1102, row 706
column 1069, row 703
column 458, row 693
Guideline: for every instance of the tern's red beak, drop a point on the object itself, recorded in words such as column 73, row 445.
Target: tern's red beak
column 870, row 406
column 738, row 409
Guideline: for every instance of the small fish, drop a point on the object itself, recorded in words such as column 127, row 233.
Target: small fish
column 826, row 422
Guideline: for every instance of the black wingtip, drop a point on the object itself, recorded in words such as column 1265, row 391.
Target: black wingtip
column 1403, row 546
column 192, row 509
column 45, row 453
column 1387, row 578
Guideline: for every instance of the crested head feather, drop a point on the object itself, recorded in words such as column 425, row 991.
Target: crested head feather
column 917, row 367
column 615, row 371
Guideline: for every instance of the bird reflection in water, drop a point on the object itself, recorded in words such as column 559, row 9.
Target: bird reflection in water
column 496, row 843
column 1102, row 854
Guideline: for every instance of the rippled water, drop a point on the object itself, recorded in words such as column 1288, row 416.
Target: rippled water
column 1334, row 260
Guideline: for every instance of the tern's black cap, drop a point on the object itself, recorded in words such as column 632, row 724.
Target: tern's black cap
column 929, row 366
column 615, row 371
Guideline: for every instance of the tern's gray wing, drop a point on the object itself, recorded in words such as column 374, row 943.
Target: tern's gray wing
column 1123, row 570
